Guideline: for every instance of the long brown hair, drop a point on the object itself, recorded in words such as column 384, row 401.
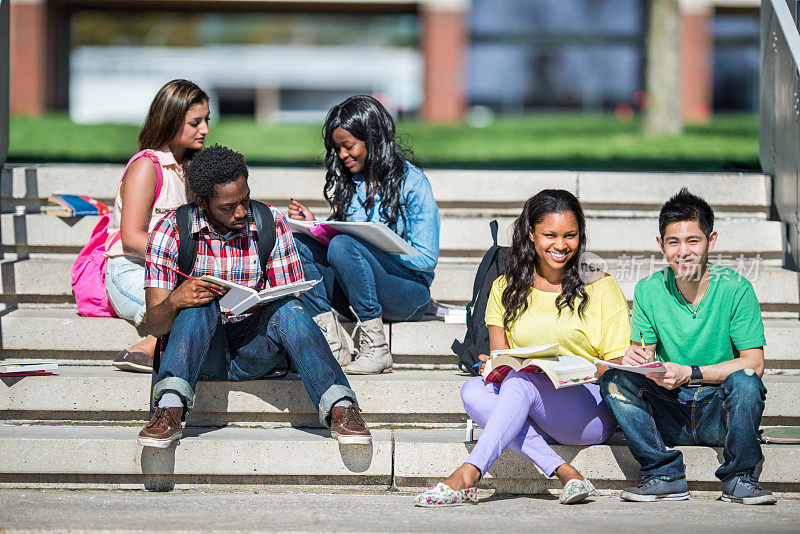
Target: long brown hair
column 167, row 113
column 520, row 261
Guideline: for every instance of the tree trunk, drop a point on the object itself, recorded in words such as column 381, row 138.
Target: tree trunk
column 662, row 68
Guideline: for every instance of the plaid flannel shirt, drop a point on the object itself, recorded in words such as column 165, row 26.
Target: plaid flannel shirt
column 233, row 257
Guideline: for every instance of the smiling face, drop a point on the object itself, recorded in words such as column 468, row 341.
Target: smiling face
column 195, row 127
column 352, row 151
column 227, row 209
column 686, row 248
column 556, row 239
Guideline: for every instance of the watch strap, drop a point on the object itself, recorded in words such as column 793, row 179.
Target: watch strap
column 696, row 379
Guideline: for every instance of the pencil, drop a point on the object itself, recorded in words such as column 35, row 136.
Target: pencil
column 641, row 337
column 176, row 271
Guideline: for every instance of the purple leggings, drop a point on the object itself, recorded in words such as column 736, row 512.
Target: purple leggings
column 527, row 413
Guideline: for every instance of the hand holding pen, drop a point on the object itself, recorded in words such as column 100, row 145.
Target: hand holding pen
column 299, row 212
column 638, row 355
column 195, row 292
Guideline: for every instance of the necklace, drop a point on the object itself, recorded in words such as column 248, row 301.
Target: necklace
column 687, row 304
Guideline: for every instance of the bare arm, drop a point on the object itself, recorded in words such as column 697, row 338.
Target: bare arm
column 678, row 375
column 164, row 305
column 497, row 341
column 137, row 192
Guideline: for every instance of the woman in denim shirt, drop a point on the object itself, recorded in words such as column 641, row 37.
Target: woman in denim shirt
column 367, row 179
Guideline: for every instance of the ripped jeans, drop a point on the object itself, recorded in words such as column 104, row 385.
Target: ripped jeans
column 652, row 418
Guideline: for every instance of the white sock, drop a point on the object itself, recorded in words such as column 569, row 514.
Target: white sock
column 343, row 403
column 170, row 399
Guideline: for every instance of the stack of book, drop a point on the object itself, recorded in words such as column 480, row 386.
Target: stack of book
column 451, row 313
column 27, row 367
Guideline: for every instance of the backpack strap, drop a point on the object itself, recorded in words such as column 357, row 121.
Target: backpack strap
column 487, row 260
column 265, row 228
column 187, row 240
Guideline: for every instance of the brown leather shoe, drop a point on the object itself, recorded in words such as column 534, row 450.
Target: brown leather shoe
column 163, row 428
column 348, row 427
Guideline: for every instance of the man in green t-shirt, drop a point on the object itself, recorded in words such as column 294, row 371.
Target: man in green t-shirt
column 704, row 322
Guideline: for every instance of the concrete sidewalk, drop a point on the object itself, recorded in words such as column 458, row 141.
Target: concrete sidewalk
column 310, row 509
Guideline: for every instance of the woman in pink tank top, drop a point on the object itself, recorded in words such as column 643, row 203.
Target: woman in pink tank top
column 174, row 130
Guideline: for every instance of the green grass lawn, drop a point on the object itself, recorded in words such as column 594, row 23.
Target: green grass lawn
column 535, row 141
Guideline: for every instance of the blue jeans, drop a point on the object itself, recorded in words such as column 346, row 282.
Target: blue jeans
column 201, row 346
column 359, row 275
column 125, row 287
column 652, row 418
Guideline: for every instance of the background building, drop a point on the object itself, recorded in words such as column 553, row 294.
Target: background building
column 102, row 60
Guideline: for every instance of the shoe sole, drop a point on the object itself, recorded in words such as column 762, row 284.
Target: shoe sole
column 635, row 497
column 158, row 443
column 575, row 498
column 347, row 372
column 764, row 499
column 128, row 366
column 352, row 440
column 426, row 505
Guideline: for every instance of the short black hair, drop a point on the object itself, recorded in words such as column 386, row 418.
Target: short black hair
column 216, row 165
column 684, row 206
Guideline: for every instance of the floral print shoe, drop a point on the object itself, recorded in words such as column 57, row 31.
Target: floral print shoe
column 443, row 495
column 576, row 490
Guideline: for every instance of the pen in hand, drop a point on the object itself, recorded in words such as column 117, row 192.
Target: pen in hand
column 176, row 271
column 302, row 213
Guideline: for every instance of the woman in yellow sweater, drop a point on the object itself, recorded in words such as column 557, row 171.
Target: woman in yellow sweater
column 546, row 295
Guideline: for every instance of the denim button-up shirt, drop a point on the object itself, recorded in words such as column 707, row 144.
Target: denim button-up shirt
column 421, row 217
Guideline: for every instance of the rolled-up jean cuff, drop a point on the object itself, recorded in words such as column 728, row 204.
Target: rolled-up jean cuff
column 179, row 386
column 334, row 394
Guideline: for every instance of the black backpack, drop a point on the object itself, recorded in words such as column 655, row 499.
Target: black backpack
column 187, row 255
column 476, row 341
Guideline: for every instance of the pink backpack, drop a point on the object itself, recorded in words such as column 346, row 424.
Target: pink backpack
column 89, row 270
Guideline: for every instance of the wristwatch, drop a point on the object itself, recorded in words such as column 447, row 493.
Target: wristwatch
column 697, row 378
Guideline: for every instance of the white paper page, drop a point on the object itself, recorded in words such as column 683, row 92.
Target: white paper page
column 652, row 367
column 525, row 351
column 235, row 296
column 273, row 293
column 376, row 234
column 301, row 227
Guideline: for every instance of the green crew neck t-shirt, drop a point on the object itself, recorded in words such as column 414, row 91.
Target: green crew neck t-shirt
column 727, row 319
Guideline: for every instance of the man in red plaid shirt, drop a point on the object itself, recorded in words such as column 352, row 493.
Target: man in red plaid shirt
column 209, row 342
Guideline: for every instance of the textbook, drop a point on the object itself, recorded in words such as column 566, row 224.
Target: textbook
column 449, row 312
column 562, row 370
column 75, row 206
column 239, row 299
column 376, row 234
column 645, row 368
column 27, row 367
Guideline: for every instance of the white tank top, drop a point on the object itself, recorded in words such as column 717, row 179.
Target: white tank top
column 173, row 194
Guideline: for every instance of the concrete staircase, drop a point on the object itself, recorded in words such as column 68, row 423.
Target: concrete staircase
column 87, row 416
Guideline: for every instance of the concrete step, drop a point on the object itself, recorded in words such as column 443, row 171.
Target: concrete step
column 494, row 192
column 64, row 335
column 108, row 457
column 416, row 398
column 46, row 280
column 25, row 234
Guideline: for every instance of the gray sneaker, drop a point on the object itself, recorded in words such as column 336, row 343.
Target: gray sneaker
column 654, row 489
column 745, row 489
